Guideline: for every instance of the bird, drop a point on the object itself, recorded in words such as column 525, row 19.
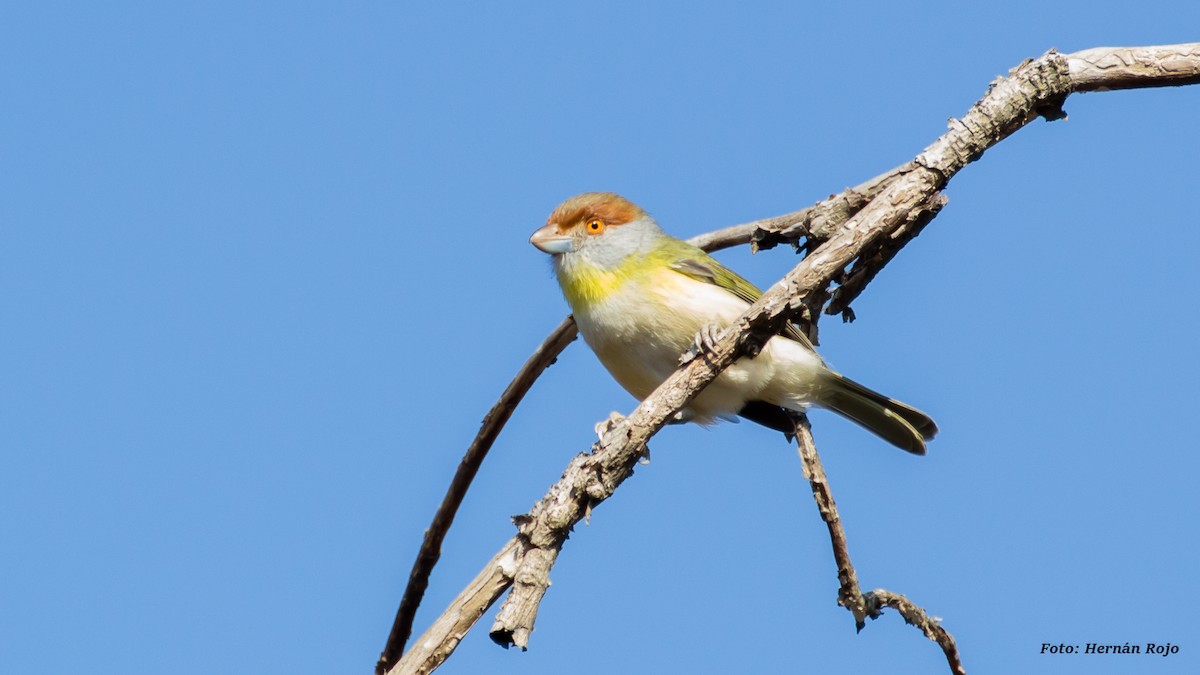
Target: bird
column 643, row 298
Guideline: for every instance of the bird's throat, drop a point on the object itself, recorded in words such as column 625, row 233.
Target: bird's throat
column 584, row 283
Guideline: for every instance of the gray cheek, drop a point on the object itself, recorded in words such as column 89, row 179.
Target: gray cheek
column 622, row 244
column 600, row 253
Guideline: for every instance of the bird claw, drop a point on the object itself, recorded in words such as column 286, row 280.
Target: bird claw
column 704, row 342
column 603, row 427
column 679, row 418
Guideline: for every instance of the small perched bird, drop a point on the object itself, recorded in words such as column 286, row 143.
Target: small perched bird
column 641, row 298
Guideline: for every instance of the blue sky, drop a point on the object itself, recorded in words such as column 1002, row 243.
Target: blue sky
column 264, row 268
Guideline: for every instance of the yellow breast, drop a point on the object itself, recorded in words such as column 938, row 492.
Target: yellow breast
column 584, row 285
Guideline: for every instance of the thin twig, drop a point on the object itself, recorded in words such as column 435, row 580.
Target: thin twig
column 493, row 422
column 930, row 626
column 850, row 594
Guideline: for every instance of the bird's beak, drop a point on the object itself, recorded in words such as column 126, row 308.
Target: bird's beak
column 550, row 241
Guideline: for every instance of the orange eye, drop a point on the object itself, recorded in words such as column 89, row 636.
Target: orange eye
column 595, row 226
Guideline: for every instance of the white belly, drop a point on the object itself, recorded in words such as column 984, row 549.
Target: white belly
column 639, row 336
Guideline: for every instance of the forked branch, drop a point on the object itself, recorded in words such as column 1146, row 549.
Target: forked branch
column 862, row 605
column 864, row 226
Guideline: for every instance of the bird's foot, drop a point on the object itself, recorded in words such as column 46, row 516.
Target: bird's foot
column 704, row 342
column 679, row 418
column 605, row 426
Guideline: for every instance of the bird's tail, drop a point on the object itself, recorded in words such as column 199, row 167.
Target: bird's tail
column 901, row 425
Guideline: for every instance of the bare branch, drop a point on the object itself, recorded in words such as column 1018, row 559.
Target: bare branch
column 850, row 594
column 442, row 638
column 1132, row 67
column 930, row 626
column 897, row 205
column 872, row 262
column 493, row 422
column 815, row 222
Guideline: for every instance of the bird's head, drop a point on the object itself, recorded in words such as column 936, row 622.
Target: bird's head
column 600, row 227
